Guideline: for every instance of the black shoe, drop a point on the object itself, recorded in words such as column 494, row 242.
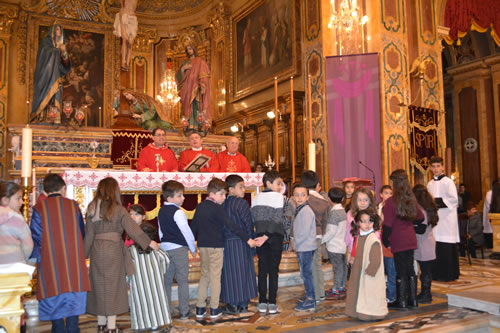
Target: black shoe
column 412, row 292
column 242, row 309
column 425, row 296
column 400, row 303
column 185, row 316
column 215, row 313
column 200, row 313
column 230, row 309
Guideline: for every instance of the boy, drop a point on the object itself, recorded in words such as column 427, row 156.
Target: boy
column 349, row 188
column 335, row 243
column 304, row 242
column 446, row 232
column 176, row 238
column 208, row 222
column 238, row 271
column 472, row 227
column 267, row 211
column 389, row 266
column 320, row 207
column 57, row 229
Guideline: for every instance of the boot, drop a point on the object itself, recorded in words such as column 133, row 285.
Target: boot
column 425, row 296
column 402, row 288
column 412, row 292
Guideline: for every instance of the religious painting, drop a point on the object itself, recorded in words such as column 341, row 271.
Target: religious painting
column 264, row 45
column 88, row 84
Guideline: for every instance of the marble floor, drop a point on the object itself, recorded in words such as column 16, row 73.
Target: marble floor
column 329, row 315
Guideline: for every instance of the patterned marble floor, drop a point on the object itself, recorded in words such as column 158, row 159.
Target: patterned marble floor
column 329, row 315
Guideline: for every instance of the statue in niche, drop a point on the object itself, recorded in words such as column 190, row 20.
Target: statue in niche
column 52, row 62
column 193, row 84
column 148, row 112
column 125, row 26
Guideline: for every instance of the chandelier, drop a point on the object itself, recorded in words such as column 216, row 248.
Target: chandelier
column 347, row 21
column 168, row 89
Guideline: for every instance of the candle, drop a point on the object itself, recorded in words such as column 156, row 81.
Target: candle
column 276, row 153
column 312, row 156
column 310, row 107
column 26, row 155
column 292, row 120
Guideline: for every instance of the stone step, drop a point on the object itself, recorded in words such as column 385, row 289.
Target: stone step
column 486, row 299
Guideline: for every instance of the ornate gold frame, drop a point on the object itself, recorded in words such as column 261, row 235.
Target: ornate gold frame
column 111, row 56
column 294, row 69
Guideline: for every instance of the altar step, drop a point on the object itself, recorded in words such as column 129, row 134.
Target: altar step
column 486, row 299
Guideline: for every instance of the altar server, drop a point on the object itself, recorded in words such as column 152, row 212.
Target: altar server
column 156, row 156
column 230, row 160
column 446, row 233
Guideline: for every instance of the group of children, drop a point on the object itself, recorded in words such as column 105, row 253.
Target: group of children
column 344, row 225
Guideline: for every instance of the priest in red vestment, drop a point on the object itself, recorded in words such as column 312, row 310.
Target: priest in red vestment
column 157, row 151
column 230, row 160
column 196, row 149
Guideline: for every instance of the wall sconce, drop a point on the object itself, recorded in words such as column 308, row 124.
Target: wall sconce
column 270, row 114
column 236, row 127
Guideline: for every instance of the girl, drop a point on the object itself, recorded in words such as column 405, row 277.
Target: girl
column 426, row 251
column 149, row 307
column 366, row 293
column 401, row 212
column 110, row 261
column 16, row 243
column 349, row 187
column 361, row 199
column 138, row 214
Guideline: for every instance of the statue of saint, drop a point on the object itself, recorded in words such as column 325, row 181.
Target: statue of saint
column 52, row 62
column 148, row 112
column 193, row 84
column 125, row 26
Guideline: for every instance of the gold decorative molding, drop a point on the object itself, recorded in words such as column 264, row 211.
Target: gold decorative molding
column 145, row 40
column 22, row 35
column 190, row 35
column 8, row 16
column 219, row 21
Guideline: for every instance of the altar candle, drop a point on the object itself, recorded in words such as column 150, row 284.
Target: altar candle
column 292, row 120
column 312, row 156
column 276, row 153
column 26, row 156
column 310, row 107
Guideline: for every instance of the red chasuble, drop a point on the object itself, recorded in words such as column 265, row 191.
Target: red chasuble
column 236, row 163
column 189, row 154
column 147, row 161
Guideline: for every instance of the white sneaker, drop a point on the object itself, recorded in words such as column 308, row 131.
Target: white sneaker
column 262, row 307
column 273, row 308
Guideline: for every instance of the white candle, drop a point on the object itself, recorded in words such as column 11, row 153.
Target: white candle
column 312, row 156
column 26, row 155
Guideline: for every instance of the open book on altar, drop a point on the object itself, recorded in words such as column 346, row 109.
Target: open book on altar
column 197, row 163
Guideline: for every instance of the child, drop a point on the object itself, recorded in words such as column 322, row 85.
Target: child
column 320, row 207
column 138, row 214
column 58, row 230
column 110, row 262
column 446, row 266
column 16, row 243
column 389, row 267
column 349, row 188
column 176, row 238
column 304, row 241
column 473, row 229
column 366, row 293
column 335, row 243
column 401, row 213
column 267, row 211
column 361, row 199
column 426, row 251
column 238, row 271
column 208, row 222
column 148, row 300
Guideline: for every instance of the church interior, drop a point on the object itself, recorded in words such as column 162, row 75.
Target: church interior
column 352, row 89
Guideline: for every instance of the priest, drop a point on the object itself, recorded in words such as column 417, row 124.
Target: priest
column 156, row 156
column 196, row 149
column 446, row 267
column 230, row 160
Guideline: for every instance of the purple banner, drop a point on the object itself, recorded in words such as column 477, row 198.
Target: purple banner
column 352, row 84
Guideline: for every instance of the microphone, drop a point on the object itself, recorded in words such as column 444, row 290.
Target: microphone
column 373, row 174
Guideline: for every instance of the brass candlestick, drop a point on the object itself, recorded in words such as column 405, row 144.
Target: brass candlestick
column 26, row 199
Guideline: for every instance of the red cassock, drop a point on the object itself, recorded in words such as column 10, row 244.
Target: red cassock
column 147, row 159
column 189, row 154
column 233, row 163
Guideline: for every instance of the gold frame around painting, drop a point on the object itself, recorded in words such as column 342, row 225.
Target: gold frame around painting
column 111, row 56
column 241, row 90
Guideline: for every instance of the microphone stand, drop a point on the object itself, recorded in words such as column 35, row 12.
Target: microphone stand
column 373, row 176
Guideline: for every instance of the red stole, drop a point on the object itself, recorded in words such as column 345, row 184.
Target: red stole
column 147, row 160
column 237, row 163
column 189, row 154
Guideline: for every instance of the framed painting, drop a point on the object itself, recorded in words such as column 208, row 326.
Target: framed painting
column 88, row 85
column 264, row 45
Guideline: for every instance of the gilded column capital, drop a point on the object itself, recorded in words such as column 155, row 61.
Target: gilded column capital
column 8, row 16
column 145, row 39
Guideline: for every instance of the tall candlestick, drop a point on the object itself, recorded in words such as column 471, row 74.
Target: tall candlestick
column 309, row 106
column 276, row 152
column 312, row 156
column 292, row 120
column 33, row 185
column 26, row 154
